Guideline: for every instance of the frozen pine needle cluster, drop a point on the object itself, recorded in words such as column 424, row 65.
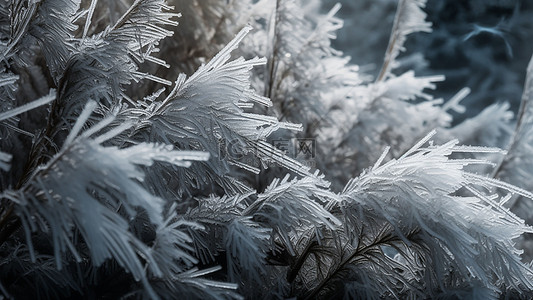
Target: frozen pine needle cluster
column 141, row 158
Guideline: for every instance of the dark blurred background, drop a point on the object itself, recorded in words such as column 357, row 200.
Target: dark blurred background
column 482, row 44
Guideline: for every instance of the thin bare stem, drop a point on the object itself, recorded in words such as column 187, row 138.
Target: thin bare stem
column 525, row 105
column 385, row 69
column 273, row 61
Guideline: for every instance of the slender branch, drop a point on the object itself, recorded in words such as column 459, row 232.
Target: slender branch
column 525, row 105
column 340, row 267
column 125, row 16
column 385, row 69
column 89, row 18
column 295, row 268
column 386, row 64
column 272, row 62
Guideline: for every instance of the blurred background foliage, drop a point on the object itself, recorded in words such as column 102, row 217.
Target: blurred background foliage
column 481, row 44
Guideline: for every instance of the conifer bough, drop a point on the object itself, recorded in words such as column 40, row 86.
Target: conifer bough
column 141, row 159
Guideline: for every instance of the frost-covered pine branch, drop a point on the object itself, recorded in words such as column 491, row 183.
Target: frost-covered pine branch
column 450, row 232
column 138, row 160
column 188, row 118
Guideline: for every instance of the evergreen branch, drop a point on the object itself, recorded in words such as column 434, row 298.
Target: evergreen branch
column 465, row 237
column 18, row 31
column 109, row 52
column 41, row 196
column 181, row 119
column 355, row 256
column 121, row 197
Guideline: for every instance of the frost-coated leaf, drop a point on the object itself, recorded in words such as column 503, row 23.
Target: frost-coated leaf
column 491, row 127
column 214, row 214
column 208, row 26
column 7, row 87
column 305, row 76
column 172, row 246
